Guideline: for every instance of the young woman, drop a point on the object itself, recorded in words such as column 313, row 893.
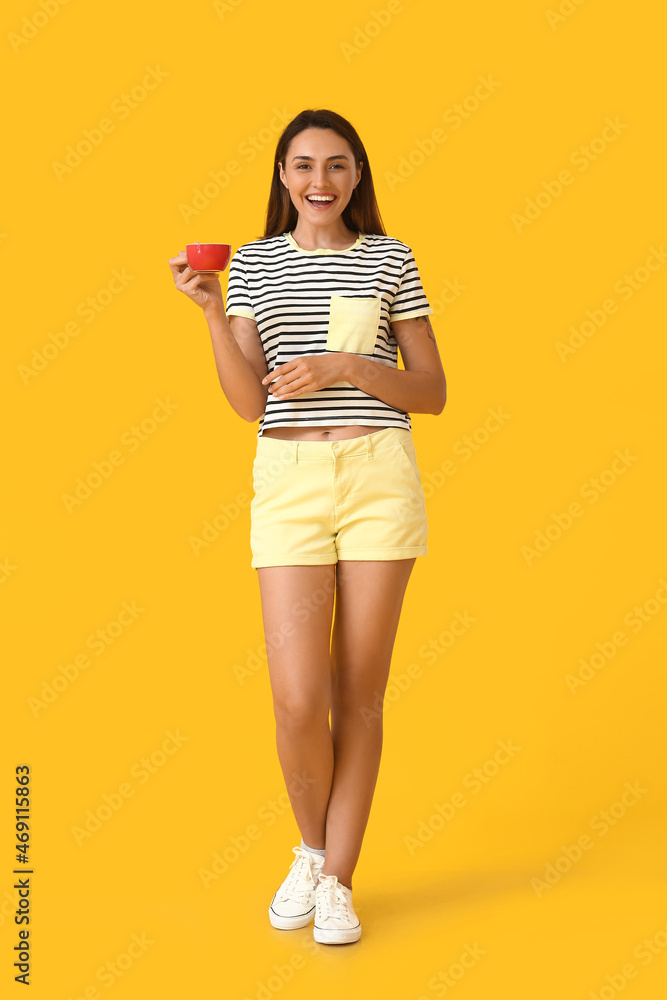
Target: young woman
column 316, row 310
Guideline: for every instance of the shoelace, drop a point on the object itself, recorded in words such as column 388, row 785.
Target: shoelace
column 331, row 900
column 299, row 883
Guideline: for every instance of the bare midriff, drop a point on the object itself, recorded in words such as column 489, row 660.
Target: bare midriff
column 328, row 433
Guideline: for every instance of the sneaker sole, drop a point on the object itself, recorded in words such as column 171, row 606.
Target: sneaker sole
column 283, row 923
column 336, row 935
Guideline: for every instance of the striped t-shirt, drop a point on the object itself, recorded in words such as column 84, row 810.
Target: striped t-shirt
column 300, row 301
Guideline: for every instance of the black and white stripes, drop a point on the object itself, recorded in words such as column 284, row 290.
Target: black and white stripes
column 287, row 291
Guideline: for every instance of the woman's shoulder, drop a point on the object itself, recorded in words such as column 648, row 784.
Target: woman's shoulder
column 387, row 242
column 264, row 244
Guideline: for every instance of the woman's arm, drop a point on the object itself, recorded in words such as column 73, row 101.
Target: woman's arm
column 421, row 388
column 240, row 360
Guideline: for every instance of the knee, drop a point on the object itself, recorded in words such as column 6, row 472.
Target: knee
column 300, row 715
column 355, row 699
column 361, row 712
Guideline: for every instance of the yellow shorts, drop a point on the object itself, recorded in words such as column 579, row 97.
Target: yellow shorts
column 316, row 502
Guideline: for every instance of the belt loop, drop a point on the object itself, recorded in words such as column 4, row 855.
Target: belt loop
column 369, row 447
column 296, row 453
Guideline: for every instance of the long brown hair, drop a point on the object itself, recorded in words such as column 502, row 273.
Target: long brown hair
column 361, row 214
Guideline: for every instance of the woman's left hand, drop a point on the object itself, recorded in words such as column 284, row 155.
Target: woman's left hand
column 306, row 374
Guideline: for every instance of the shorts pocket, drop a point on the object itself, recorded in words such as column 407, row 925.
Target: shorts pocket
column 267, row 470
column 353, row 324
column 408, row 460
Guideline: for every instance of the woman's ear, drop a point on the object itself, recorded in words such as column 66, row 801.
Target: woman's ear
column 359, row 169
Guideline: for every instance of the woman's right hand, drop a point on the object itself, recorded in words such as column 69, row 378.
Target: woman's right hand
column 202, row 287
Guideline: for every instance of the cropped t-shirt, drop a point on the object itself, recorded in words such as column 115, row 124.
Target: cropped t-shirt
column 308, row 302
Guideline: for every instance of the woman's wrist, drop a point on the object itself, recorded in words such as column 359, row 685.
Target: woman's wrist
column 215, row 310
column 350, row 365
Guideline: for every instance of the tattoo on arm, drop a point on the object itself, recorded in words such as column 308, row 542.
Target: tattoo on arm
column 431, row 335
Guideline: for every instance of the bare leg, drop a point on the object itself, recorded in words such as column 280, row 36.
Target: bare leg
column 300, row 672
column 369, row 598
column 331, row 775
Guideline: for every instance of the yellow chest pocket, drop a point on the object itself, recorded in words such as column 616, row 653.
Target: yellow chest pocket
column 353, row 324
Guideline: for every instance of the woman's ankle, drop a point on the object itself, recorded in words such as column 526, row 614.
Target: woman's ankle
column 313, row 850
column 347, row 882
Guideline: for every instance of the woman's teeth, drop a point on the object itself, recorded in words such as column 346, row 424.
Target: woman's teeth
column 320, row 202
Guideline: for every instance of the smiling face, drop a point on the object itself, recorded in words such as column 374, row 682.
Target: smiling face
column 320, row 173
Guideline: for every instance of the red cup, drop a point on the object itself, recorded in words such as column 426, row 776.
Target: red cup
column 208, row 256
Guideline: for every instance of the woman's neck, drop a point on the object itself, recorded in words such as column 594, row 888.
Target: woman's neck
column 331, row 237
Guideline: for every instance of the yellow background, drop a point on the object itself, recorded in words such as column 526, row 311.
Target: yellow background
column 229, row 71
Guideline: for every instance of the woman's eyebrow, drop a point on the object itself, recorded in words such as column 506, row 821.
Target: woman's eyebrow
column 339, row 156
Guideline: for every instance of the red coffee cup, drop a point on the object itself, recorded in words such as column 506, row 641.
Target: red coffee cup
column 208, row 256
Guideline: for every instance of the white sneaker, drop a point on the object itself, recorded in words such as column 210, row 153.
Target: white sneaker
column 335, row 919
column 294, row 903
